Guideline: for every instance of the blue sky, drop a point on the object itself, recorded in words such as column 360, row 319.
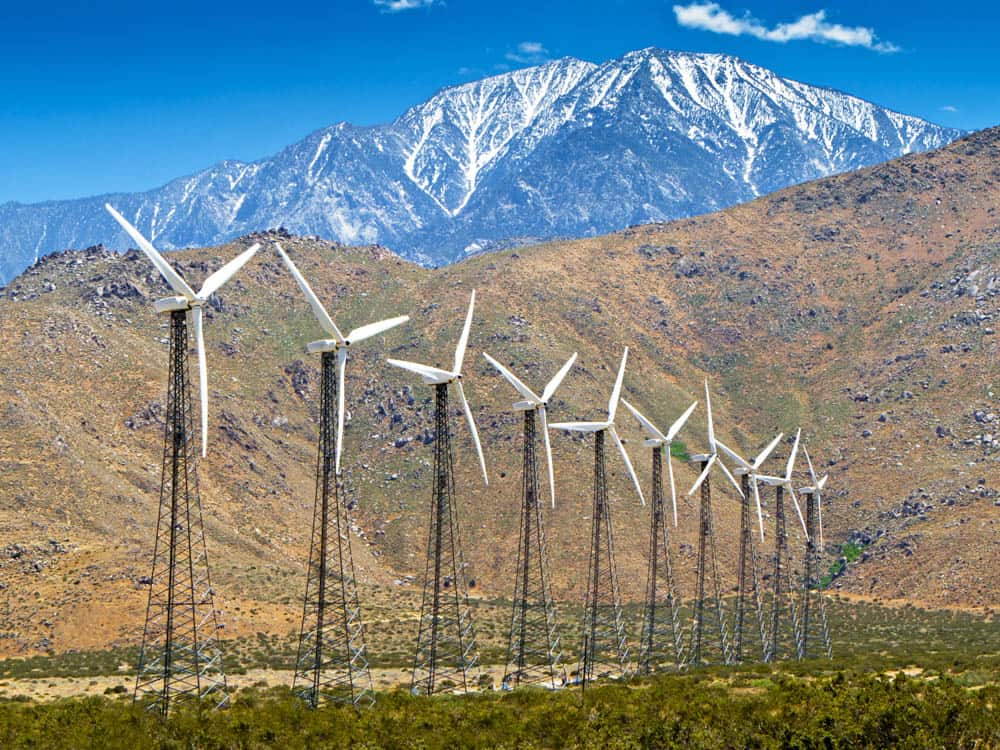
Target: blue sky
column 127, row 95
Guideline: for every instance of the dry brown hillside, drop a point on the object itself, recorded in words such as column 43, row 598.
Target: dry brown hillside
column 862, row 307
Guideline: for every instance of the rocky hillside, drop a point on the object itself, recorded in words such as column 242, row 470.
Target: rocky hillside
column 862, row 307
column 565, row 149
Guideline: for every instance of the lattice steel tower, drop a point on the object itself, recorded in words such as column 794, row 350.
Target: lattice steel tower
column 332, row 662
column 604, row 651
column 446, row 655
column 180, row 656
column 533, row 647
column 815, row 638
column 748, row 590
column 662, row 641
column 784, row 637
column 704, row 647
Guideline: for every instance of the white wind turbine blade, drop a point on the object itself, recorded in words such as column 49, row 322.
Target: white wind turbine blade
column 732, row 454
column 199, row 338
column 673, row 489
column 762, row 456
column 580, row 426
column 224, row 274
column 760, row 513
column 173, row 278
column 812, row 472
column 473, row 430
column 679, row 422
column 708, row 410
column 374, row 329
column 325, row 321
column 628, row 463
column 646, row 424
column 428, row 373
column 790, row 466
column 513, row 380
column 463, row 340
column 732, row 480
column 798, row 509
column 704, row 474
column 341, row 362
column 548, row 453
column 550, row 389
column 617, row 392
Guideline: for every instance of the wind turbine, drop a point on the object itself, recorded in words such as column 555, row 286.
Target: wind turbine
column 706, row 544
column 179, row 660
column 533, row 646
column 332, row 661
column 781, row 584
column 811, row 594
column 188, row 301
column 443, row 378
column 337, row 345
column 603, row 628
column 747, row 567
column 446, row 642
column 655, row 625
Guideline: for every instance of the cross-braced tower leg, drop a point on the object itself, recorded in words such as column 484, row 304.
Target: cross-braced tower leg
column 704, row 650
column 533, row 650
column 748, row 586
column 446, row 657
column 815, row 639
column 332, row 663
column 662, row 640
column 180, row 657
column 785, row 637
column 604, row 652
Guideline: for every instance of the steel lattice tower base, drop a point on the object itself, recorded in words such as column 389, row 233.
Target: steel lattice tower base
column 533, row 651
column 815, row 640
column 662, row 640
column 705, row 649
column 332, row 662
column 446, row 657
column 784, row 637
column 180, row 657
column 748, row 589
column 603, row 652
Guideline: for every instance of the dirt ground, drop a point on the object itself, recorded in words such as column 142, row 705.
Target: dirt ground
column 54, row 688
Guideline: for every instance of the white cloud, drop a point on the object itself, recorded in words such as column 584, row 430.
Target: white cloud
column 949, row 108
column 529, row 53
column 395, row 6
column 813, row 26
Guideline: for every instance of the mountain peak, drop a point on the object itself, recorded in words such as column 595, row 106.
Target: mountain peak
column 564, row 148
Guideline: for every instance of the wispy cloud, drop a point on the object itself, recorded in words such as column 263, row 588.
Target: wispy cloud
column 395, row 6
column 949, row 108
column 529, row 53
column 813, row 26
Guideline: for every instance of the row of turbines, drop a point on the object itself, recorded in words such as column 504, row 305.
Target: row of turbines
column 181, row 658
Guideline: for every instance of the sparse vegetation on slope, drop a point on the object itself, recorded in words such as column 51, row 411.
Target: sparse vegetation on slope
column 862, row 307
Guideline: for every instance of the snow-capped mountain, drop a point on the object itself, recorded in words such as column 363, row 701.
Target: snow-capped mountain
column 567, row 148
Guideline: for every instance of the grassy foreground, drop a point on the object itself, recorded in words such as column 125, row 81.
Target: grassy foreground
column 703, row 710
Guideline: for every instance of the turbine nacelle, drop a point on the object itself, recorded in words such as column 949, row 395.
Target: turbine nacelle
column 322, row 346
column 172, row 304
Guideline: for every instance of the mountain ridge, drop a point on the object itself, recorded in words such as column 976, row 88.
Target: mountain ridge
column 566, row 148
